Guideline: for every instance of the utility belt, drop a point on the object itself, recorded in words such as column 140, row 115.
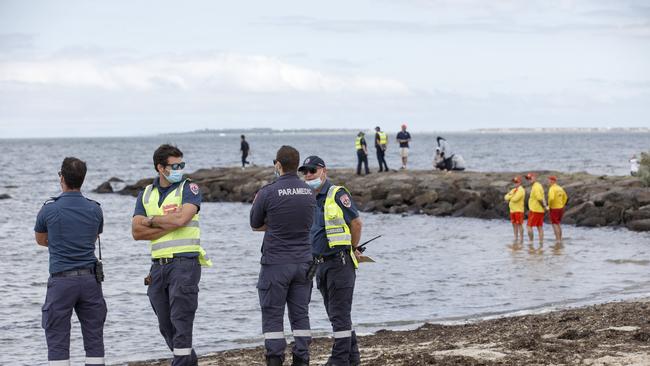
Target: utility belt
column 163, row 261
column 343, row 256
column 74, row 272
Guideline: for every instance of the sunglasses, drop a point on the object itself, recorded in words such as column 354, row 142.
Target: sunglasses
column 309, row 171
column 177, row 166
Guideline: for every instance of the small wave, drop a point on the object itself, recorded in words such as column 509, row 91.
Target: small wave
column 640, row 262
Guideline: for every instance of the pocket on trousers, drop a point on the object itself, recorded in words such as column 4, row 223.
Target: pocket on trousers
column 190, row 289
column 263, row 290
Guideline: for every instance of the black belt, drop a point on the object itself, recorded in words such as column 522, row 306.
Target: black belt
column 163, row 261
column 336, row 256
column 76, row 272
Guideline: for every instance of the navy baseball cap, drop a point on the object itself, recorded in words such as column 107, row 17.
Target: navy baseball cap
column 313, row 162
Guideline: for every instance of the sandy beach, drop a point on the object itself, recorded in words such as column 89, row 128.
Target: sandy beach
column 616, row 333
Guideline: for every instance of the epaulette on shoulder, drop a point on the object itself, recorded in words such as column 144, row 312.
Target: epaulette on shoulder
column 98, row 204
column 50, row 200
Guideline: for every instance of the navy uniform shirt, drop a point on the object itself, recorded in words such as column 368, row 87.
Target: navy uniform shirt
column 191, row 194
column 286, row 206
column 320, row 245
column 403, row 135
column 72, row 223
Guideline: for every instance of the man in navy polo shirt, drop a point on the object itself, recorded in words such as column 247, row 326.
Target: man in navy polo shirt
column 284, row 210
column 335, row 234
column 68, row 225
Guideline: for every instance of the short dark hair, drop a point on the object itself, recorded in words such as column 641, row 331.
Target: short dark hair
column 289, row 158
column 243, row 137
column 73, row 172
column 163, row 152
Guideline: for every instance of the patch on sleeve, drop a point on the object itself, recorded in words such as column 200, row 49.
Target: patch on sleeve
column 345, row 200
column 194, row 188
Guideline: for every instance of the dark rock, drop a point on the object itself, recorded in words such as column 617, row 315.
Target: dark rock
column 115, row 179
column 426, row 199
column 639, row 225
column 592, row 221
column 104, row 188
column 4, row 196
column 393, row 199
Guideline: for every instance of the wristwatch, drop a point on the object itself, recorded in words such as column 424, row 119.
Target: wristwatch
column 150, row 221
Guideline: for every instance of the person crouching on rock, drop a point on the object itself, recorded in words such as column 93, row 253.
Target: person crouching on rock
column 515, row 199
column 557, row 199
column 536, row 208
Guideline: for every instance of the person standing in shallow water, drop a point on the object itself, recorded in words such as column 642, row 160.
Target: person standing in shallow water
column 536, row 208
column 515, row 199
column 557, row 199
column 69, row 225
column 244, row 149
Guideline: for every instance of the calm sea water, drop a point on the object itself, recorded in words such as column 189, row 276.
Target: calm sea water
column 428, row 269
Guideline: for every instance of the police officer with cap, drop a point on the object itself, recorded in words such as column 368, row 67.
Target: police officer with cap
column 69, row 225
column 167, row 214
column 335, row 234
column 284, row 210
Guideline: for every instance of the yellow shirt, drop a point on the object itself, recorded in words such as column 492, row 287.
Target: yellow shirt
column 556, row 196
column 515, row 199
column 536, row 196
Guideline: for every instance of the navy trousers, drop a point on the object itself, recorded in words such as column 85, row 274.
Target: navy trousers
column 381, row 159
column 335, row 280
column 362, row 158
column 83, row 295
column 281, row 284
column 174, row 297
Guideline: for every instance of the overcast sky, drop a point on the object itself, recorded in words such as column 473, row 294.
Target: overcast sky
column 90, row 68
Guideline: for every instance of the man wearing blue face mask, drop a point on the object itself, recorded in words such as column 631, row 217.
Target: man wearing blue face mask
column 166, row 213
column 335, row 234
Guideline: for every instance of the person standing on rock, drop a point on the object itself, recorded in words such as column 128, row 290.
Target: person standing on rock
column 557, row 199
column 69, row 225
column 536, row 208
column 284, row 210
column 362, row 152
column 334, row 236
column 634, row 166
column 167, row 214
column 403, row 137
column 381, row 144
column 515, row 199
column 244, row 149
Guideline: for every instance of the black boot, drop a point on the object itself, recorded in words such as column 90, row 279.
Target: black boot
column 297, row 361
column 273, row 361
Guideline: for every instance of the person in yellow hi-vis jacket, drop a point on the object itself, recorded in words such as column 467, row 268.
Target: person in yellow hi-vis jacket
column 167, row 214
column 515, row 199
column 557, row 199
column 536, row 208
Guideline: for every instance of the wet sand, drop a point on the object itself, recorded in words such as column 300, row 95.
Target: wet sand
column 616, row 333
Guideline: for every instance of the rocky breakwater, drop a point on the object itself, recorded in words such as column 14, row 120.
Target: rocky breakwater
column 593, row 200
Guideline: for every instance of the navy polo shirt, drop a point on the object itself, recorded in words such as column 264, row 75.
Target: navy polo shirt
column 72, row 223
column 403, row 135
column 286, row 206
column 190, row 195
column 320, row 245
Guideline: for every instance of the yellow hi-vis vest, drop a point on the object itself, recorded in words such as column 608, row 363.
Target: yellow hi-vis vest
column 185, row 239
column 337, row 231
column 383, row 140
column 357, row 143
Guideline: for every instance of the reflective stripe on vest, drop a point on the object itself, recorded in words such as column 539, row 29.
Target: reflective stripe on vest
column 336, row 229
column 185, row 239
column 383, row 139
column 357, row 143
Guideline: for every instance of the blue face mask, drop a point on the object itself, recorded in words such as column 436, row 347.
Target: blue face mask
column 175, row 176
column 314, row 183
